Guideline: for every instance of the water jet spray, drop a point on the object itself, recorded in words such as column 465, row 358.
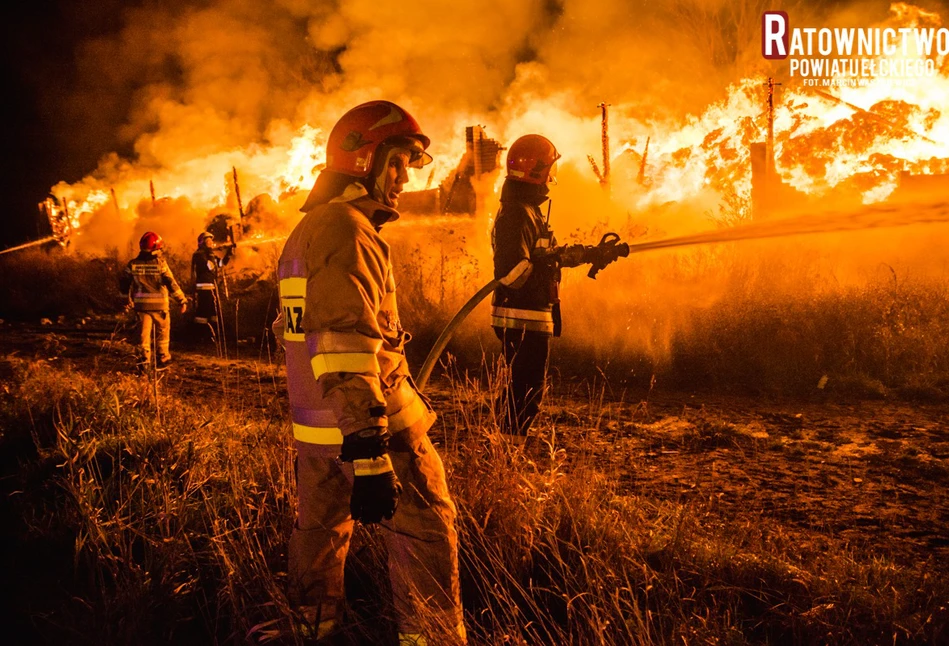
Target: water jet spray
column 872, row 217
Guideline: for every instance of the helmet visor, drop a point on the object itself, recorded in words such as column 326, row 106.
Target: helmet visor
column 418, row 158
column 411, row 146
column 552, row 174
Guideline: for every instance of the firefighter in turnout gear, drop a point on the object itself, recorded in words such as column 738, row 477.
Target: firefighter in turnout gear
column 206, row 265
column 527, row 313
column 359, row 423
column 148, row 281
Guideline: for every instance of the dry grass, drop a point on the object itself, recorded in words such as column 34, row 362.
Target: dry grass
column 137, row 523
column 175, row 532
column 884, row 338
column 177, row 525
column 557, row 551
column 774, row 324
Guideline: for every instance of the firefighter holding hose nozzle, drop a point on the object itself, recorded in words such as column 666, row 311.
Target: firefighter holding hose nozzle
column 207, row 264
column 526, row 313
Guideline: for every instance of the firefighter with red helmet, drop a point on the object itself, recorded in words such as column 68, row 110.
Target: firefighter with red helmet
column 527, row 313
column 207, row 262
column 359, row 423
column 148, row 281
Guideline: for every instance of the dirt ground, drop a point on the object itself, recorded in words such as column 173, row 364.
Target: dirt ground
column 867, row 475
column 871, row 476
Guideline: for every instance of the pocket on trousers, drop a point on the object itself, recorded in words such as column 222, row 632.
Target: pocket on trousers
column 428, row 474
column 425, row 399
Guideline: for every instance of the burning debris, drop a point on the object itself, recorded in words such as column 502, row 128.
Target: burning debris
column 764, row 146
column 463, row 191
column 859, row 139
column 57, row 216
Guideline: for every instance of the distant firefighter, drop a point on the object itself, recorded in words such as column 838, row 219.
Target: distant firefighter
column 527, row 313
column 148, row 281
column 359, row 424
column 206, row 266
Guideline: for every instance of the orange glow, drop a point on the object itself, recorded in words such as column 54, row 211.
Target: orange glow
column 821, row 144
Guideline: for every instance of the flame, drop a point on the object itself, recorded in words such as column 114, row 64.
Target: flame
column 859, row 138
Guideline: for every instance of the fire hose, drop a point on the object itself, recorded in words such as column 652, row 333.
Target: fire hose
column 461, row 315
column 599, row 256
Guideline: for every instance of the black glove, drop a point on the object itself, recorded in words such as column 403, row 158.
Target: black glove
column 376, row 489
column 609, row 250
column 573, row 255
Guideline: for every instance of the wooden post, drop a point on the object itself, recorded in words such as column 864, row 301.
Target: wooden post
column 642, row 164
column 769, row 161
column 605, row 140
column 237, row 192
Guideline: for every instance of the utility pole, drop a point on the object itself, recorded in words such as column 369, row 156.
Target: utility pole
column 237, row 192
column 151, row 187
column 769, row 161
column 641, row 178
column 605, row 137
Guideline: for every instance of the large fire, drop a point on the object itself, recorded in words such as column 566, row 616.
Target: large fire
column 858, row 138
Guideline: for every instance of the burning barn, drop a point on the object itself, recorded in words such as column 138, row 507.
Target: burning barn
column 463, row 189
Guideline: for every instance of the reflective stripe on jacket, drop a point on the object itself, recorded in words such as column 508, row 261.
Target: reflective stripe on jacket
column 339, row 322
column 521, row 232
column 530, row 320
column 150, row 281
column 206, row 266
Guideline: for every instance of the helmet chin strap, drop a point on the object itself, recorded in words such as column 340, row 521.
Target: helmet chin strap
column 552, row 173
column 379, row 189
column 380, row 171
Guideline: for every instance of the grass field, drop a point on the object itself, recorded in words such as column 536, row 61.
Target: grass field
column 697, row 484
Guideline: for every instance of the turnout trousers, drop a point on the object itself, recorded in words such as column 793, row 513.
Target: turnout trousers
column 526, row 354
column 161, row 322
column 206, row 306
column 420, row 539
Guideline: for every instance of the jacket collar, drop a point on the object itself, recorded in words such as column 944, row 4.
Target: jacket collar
column 515, row 191
column 352, row 192
column 358, row 197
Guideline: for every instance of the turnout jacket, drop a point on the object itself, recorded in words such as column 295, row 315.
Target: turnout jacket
column 206, row 264
column 346, row 366
column 150, row 281
column 521, row 231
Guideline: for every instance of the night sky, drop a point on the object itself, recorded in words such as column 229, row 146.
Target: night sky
column 47, row 139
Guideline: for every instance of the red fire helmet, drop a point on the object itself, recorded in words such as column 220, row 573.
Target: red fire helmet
column 531, row 158
column 151, row 241
column 355, row 138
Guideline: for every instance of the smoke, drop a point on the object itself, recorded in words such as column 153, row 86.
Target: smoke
column 180, row 93
column 177, row 85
